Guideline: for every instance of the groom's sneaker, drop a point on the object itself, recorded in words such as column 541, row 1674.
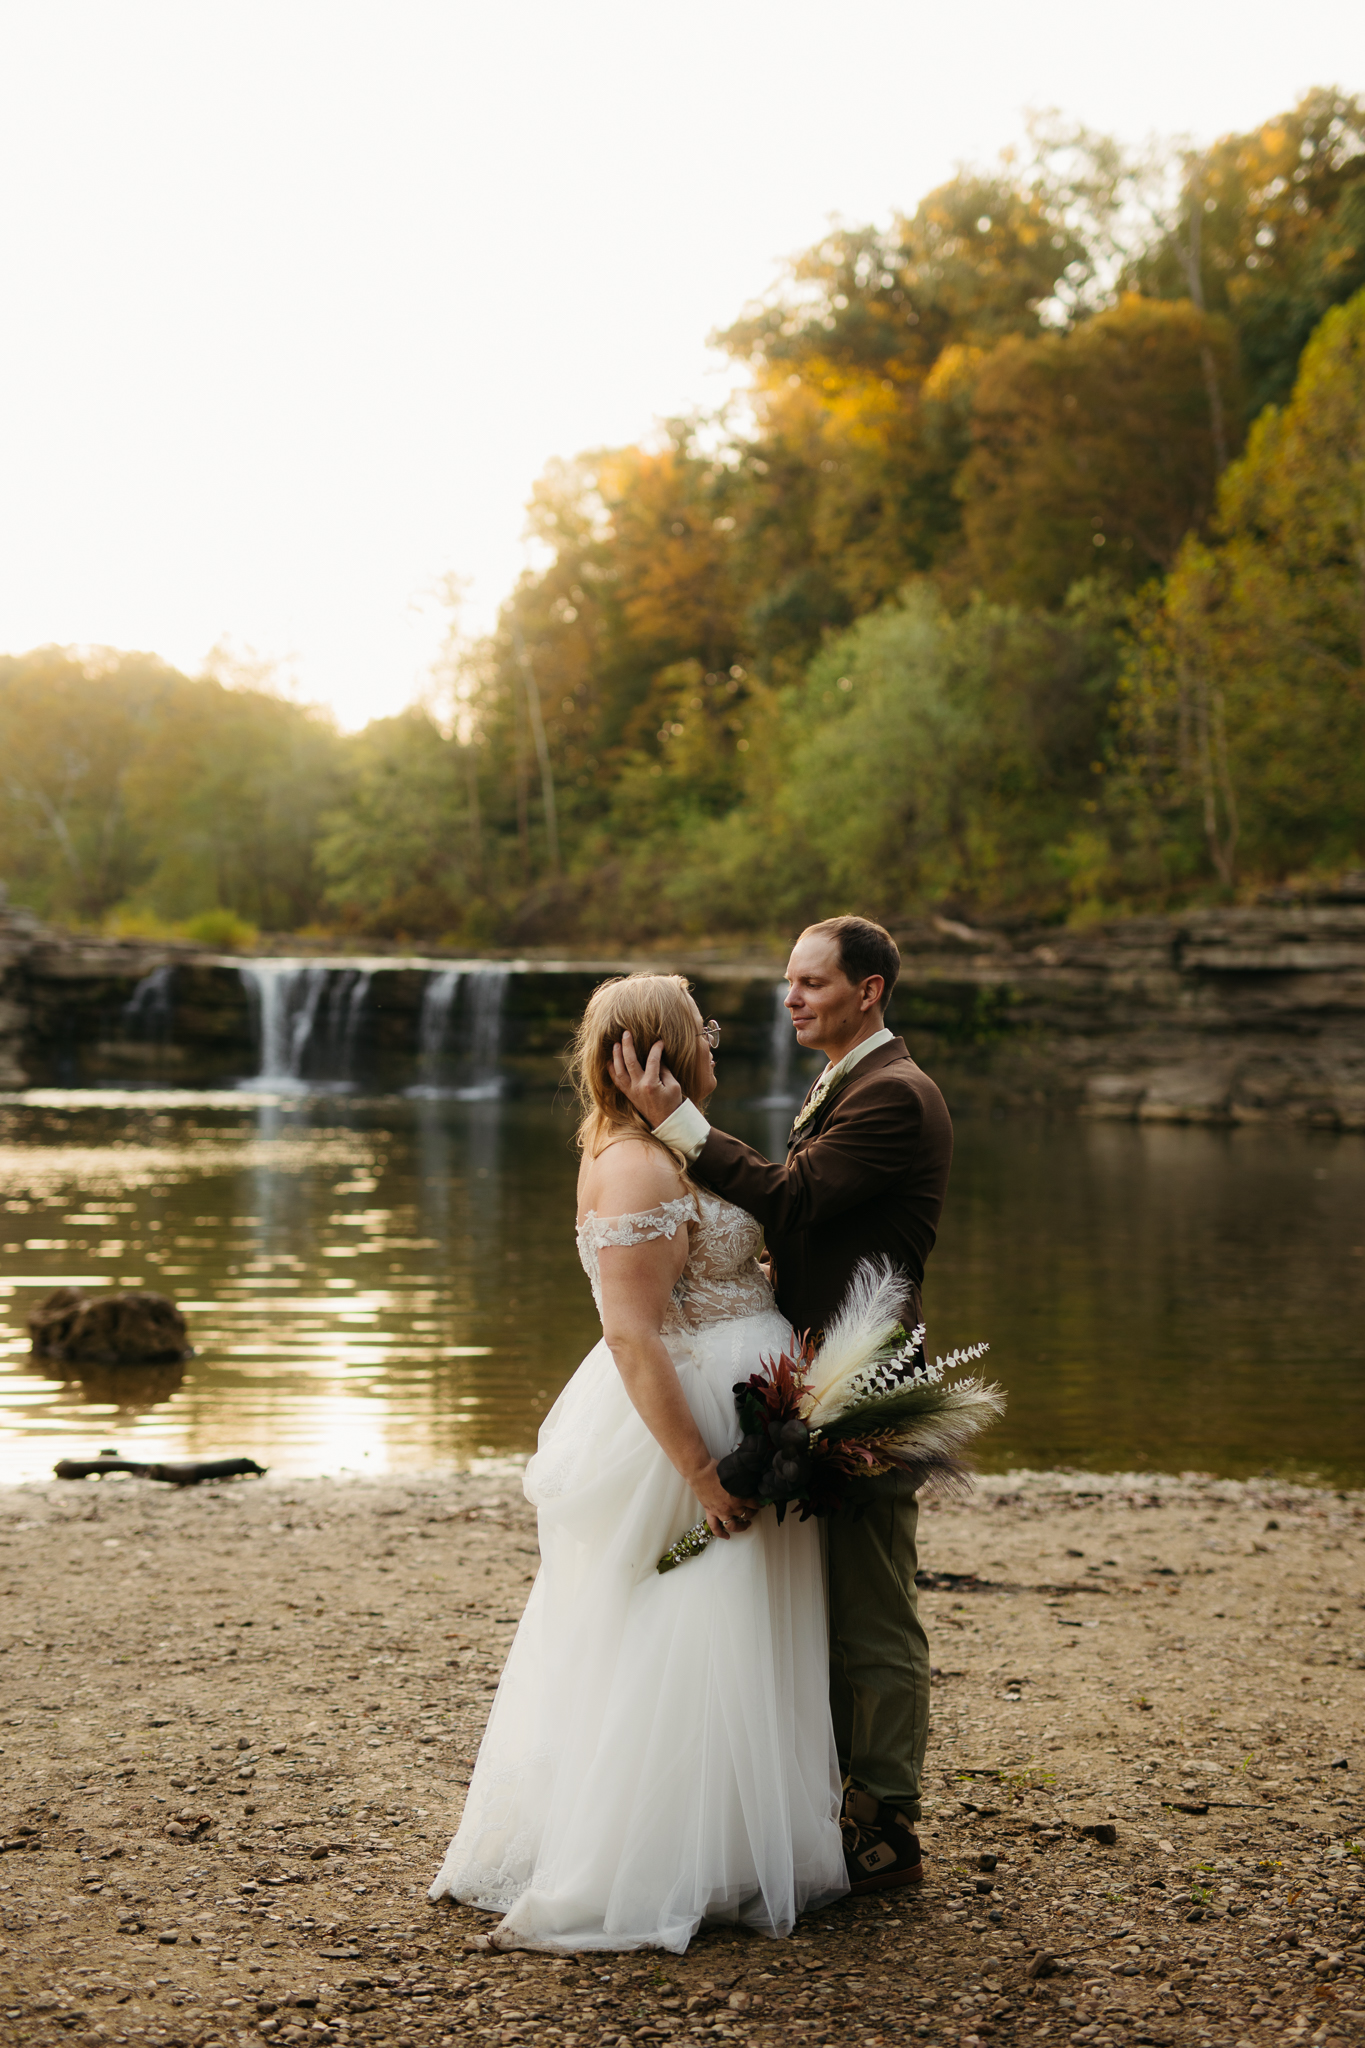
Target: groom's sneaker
column 881, row 1848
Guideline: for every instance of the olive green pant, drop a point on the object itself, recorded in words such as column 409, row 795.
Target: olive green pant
column 878, row 1651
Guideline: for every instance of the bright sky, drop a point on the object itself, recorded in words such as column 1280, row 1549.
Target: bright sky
column 300, row 297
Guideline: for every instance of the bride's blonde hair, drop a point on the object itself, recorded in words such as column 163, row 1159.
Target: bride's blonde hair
column 649, row 1007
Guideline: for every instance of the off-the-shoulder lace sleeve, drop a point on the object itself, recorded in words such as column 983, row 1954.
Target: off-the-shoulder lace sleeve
column 639, row 1226
column 595, row 1232
column 722, row 1278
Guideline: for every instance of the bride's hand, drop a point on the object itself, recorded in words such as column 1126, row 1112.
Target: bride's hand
column 726, row 1515
column 654, row 1091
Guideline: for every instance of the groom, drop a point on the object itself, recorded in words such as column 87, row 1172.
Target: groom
column 865, row 1175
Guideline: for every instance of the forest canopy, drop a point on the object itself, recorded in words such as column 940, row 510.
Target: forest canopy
column 1025, row 577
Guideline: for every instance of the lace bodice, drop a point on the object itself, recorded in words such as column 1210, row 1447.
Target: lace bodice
column 722, row 1278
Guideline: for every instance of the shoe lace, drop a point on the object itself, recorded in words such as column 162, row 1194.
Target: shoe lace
column 854, row 1836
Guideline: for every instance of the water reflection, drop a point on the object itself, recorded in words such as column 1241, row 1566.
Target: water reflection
column 394, row 1283
column 127, row 1390
column 1162, row 1296
column 366, row 1283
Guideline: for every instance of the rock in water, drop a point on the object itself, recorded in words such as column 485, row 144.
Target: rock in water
column 73, row 1328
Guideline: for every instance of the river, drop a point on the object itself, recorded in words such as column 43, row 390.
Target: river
column 388, row 1283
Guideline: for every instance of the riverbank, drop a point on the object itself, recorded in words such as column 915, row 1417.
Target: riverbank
column 237, row 1725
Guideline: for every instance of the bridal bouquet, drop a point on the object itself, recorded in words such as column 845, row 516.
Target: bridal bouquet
column 862, row 1403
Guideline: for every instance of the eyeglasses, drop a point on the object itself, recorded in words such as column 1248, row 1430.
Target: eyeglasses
column 710, row 1031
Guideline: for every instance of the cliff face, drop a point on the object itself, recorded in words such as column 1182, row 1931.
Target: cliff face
column 1216, row 1016
column 78, row 1011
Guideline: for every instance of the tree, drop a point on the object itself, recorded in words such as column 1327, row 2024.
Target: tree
column 226, row 795
column 1100, row 439
column 926, row 759
column 862, row 364
column 1274, row 221
column 1246, row 701
column 1293, row 511
column 981, row 257
column 127, row 785
column 945, row 759
column 402, row 854
column 70, row 729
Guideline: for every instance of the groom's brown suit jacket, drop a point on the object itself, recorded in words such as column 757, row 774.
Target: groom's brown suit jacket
column 865, row 1177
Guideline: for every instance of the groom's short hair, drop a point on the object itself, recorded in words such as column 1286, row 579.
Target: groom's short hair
column 864, row 948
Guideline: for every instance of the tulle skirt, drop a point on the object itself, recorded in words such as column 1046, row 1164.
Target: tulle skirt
column 659, row 1751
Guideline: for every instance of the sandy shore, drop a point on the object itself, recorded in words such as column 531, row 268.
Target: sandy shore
column 236, row 1725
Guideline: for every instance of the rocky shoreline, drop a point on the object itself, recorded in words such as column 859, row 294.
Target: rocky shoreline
column 237, row 1723
column 1235, row 1015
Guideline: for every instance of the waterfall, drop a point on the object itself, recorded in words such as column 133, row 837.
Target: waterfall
column 285, row 999
column 487, row 994
column 438, row 1000
column 347, row 995
column 781, row 1054
column 149, row 1010
column 355, row 1017
column 309, row 1021
column 312, row 1023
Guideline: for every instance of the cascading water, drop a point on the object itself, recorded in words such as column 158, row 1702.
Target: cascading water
column 149, row 1011
column 355, row 1018
column 438, row 1000
column 285, row 999
column 347, row 996
column 311, row 1025
column 782, row 1088
column 308, row 1021
column 487, row 994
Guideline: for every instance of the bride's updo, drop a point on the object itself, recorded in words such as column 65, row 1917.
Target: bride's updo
column 650, row 1007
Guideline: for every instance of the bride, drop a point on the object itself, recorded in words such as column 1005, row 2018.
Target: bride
column 659, row 1751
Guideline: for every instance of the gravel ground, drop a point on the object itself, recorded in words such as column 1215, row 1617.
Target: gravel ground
column 1143, row 1818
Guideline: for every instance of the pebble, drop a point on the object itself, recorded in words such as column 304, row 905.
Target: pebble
column 1072, row 1934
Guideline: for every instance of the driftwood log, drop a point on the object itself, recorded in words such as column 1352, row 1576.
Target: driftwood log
column 176, row 1471
column 74, row 1328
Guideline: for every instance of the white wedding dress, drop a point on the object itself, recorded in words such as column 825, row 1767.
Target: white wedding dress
column 659, row 1751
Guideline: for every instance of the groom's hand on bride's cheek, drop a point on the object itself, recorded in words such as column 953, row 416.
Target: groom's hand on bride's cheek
column 653, row 1090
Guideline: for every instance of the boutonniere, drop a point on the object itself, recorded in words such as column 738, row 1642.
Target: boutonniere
column 823, row 1092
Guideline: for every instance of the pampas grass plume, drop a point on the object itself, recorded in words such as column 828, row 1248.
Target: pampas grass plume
column 873, row 1308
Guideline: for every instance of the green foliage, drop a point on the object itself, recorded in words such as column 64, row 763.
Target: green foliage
column 926, row 759
column 69, row 732
column 127, row 784
column 863, row 365
column 1097, row 440
column 401, row 855
column 1280, row 234
column 1245, row 704
column 221, row 929
column 861, row 647
column 226, row 797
